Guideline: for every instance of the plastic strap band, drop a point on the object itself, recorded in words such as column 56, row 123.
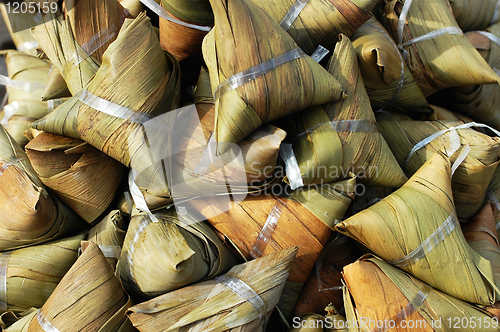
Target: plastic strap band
column 351, row 126
column 99, row 39
column 319, row 53
column 111, row 251
column 407, row 311
column 118, row 111
column 429, row 139
column 267, row 231
column 454, row 143
column 110, row 108
column 251, row 74
column 138, row 198
column 438, row 236
column 343, row 126
column 496, row 16
column 339, row 240
column 140, row 229
column 52, row 104
column 402, row 20
column 129, row 201
column 8, row 111
column 293, row 13
column 29, row 45
column 430, row 35
column 461, row 157
column 490, row 36
column 493, row 198
column 434, row 34
column 160, row 11
column 93, row 44
column 44, row 323
column 4, row 264
column 291, row 166
column 240, row 288
column 401, row 77
column 8, row 164
column 28, row 87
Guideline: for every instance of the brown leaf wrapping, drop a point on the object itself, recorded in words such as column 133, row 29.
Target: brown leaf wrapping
column 81, row 176
column 212, row 305
column 38, row 216
column 245, row 36
column 87, row 298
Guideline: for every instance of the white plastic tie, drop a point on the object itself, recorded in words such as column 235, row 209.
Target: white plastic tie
column 99, row 39
column 119, row 111
column 430, row 35
column 28, row 87
column 240, row 288
column 429, row 244
column 110, row 108
column 351, row 126
column 432, row 137
column 454, row 143
column 342, row 126
column 44, row 323
column 8, row 111
column 496, row 15
column 129, row 201
column 160, row 11
column 292, row 168
column 434, row 34
column 4, row 264
column 461, row 157
column 267, row 231
column 257, row 71
column 111, row 251
column 293, row 13
column 52, row 104
column 402, row 20
column 490, row 36
column 93, row 44
column 135, row 238
column 29, row 45
column 319, row 54
column 137, row 196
